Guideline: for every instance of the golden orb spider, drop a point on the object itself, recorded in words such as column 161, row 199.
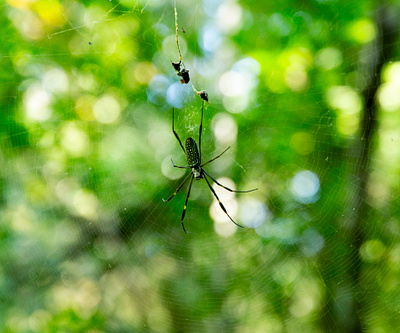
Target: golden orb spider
column 193, row 156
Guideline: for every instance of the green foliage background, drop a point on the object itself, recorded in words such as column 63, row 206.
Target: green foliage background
column 86, row 243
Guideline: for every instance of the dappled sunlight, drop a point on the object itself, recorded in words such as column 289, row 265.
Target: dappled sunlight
column 39, row 320
column 169, row 171
column 348, row 103
column 296, row 77
column 33, row 18
column 118, row 146
column 329, row 58
column 232, row 83
column 372, row 250
column 82, row 295
column 74, row 140
column 85, row 204
column 169, row 47
column 237, row 84
column 225, row 129
column 389, row 91
column 311, row 242
column 37, row 103
column 362, row 31
column 229, row 17
column 225, row 229
column 253, row 213
column 303, row 143
column 306, row 297
column 20, row 218
column 389, row 97
column 86, row 140
column 210, row 39
column 305, row 187
column 84, row 107
column 144, row 71
column 106, row 109
column 55, row 80
column 228, row 200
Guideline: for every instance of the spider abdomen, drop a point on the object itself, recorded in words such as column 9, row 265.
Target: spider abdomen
column 192, row 153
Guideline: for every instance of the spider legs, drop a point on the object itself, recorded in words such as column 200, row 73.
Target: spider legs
column 177, row 190
column 177, row 166
column 176, row 134
column 227, row 188
column 186, row 201
column 220, row 203
column 201, row 129
column 213, row 159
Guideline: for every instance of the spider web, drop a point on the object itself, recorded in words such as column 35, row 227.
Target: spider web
column 87, row 244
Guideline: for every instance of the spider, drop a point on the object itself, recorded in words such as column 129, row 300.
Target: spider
column 193, row 156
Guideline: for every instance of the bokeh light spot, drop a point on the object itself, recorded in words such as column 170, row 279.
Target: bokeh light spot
column 37, row 103
column 329, row 58
column 253, row 213
column 305, row 187
column 362, row 31
column 302, row 142
column 372, row 250
column 106, row 110
column 144, row 71
column 296, row 77
column 389, row 97
column 225, row 128
column 229, row 17
column 84, row 107
column 55, row 80
column 86, row 204
column 348, row 103
column 74, row 140
column 311, row 242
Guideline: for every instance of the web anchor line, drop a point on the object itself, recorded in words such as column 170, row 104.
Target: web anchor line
column 179, row 66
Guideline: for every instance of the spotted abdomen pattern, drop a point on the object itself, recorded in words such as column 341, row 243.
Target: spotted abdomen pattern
column 192, row 152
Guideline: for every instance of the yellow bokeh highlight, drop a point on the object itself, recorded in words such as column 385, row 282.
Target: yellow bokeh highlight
column 21, row 4
column 389, row 92
column 302, row 142
column 107, row 109
column 362, row 31
column 20, row 218
column 85, row 204
column 389, row 97
column 84, row 107
column 372, row 250
column 36, row 190
column 74, row 140
column 394, row 256
column 285, row 70
column 144, row 71
column 296, row 77
column 391, row 73
column 348, row 104
column 329, row 58
column 50, row 11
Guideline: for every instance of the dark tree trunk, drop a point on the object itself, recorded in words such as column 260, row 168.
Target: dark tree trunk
column 345, row 307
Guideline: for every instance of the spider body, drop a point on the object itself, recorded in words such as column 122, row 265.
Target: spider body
column 193, row 157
